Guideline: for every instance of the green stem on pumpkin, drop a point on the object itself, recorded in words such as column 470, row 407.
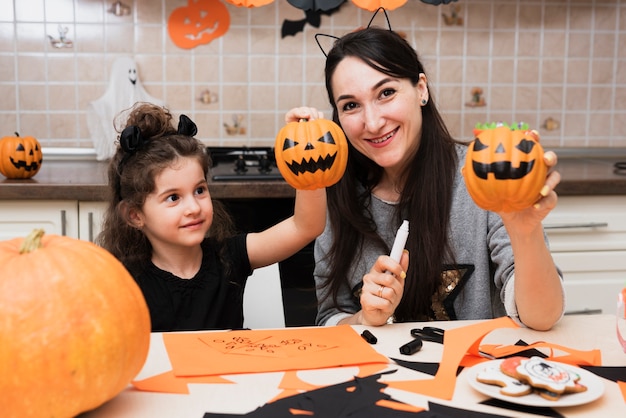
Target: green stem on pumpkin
column 32, row 241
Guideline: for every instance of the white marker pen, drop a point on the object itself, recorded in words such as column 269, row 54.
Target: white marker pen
column 400, row 241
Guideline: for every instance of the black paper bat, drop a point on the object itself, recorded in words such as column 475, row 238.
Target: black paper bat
column 312, row 17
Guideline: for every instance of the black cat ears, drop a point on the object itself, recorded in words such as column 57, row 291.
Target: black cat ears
column 335, row 38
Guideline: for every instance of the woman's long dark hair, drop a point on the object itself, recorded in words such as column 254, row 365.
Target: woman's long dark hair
column 132, row 179
column 427, row 192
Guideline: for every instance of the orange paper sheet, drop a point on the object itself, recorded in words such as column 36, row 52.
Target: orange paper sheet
column 574, row 357
column 622, row 388
column 457, row 342
column 169, row 383
column 204, row 354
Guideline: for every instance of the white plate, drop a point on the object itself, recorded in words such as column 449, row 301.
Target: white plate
column 595, row 388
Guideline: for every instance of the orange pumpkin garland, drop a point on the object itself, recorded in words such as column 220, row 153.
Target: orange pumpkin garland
column 20, row 156
column 74, row 326
column 311, row 154
column 504, row 168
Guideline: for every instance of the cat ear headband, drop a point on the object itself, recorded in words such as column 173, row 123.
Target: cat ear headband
column 131, row 140
column 335, row 38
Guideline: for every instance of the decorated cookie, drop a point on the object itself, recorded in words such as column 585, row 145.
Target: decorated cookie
column 548, row 376
column 509, row 385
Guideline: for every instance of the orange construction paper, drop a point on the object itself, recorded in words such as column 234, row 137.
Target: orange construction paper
column 622, row 387
column 457, row 342
column 198, row 22
column 399, row 406
column 168, row 383
column 190, row 355
column 575, row 357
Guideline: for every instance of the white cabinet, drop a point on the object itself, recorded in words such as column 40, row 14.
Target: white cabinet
column 60, row 217
column 588, row 242
column 20, row 217
column 90, row 215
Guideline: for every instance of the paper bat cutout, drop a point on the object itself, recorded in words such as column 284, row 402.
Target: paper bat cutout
column 312, row 17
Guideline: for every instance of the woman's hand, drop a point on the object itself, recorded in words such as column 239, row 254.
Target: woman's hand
column 382, row 290
column 530, row 218
column 297, row 113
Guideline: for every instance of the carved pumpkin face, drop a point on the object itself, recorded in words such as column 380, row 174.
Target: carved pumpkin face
column 311, row 154
column 20, row 157
column 504, row 169
column 198, row 23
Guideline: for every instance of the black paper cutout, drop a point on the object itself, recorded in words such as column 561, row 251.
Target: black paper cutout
column 337, row 401
column 452, row 412
column 613, row 373
column 536, row 410
column 312, row 17
column 420, row 366
column 438, row 2
column 315, row 4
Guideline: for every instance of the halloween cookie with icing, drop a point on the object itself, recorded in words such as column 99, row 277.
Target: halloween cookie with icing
column 550, row 379
column 509, row 386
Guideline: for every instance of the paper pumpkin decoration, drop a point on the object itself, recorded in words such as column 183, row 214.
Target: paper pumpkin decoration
column 198, row 23
column 373, row 5
column 504, row 168
column 20, row 156
column 75, row 324
column 311, row 154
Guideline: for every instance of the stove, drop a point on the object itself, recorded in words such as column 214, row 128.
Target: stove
column 243, row 164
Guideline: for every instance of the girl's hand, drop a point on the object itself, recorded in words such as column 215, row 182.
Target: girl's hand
column 382, row 289
column 297, row 113
column 530, row 218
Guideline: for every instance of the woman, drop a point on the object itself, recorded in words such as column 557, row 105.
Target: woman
column 465, row 263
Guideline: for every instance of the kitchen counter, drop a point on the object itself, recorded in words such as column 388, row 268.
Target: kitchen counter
column 85, row 180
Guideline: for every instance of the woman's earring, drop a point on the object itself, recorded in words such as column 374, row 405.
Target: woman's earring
column 424, row 101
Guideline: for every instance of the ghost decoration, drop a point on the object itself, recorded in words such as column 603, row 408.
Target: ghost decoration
column 123, row 91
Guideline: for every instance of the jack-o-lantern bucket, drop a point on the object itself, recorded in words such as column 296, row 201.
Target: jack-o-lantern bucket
column 20, row 156
column 311, row 154
column 504, row 168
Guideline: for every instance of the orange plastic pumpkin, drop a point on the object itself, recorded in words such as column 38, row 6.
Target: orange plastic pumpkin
column 504, row 168
column 198, row 23
column 74, row 326
column 20, row 156
column 311, row 154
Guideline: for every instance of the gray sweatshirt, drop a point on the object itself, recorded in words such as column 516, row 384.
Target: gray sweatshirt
column 478, row 238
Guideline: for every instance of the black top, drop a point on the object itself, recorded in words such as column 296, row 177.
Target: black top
column 209, row 300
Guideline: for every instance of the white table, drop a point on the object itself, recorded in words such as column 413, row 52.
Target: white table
column 582, row 332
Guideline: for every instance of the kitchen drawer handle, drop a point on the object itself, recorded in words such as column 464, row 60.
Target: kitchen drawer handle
column 585, row 311
column 90, row 221
column 63, row 223
column 577, row 225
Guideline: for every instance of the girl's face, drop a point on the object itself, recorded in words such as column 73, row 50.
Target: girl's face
column 381, row 115
column 179, row 212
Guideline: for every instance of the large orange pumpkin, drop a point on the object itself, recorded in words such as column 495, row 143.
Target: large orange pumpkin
column 311, row 154
column 74, row 326
column 198, row 23
column 20, row 156
column 504, row 168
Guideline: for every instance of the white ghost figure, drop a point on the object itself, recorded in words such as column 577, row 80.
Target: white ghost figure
column 123, row 92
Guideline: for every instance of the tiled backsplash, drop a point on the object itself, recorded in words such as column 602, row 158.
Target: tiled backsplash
column 554, row 64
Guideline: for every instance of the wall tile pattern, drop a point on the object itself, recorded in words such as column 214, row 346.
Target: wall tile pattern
column 533, row 59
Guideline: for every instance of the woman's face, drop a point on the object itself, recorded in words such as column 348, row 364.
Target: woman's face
column 381, row 115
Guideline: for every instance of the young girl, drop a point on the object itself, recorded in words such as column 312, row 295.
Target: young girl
column 175, row 241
